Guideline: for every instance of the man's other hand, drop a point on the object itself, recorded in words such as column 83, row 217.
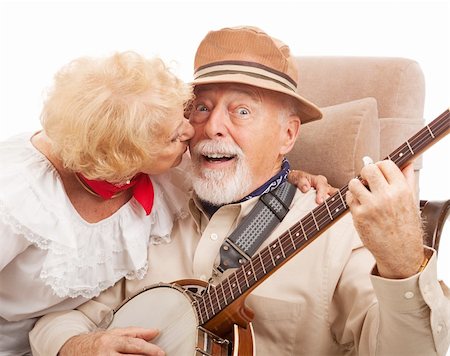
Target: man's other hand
column 128, row 341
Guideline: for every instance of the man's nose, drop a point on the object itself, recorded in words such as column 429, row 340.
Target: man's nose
column 216, row 125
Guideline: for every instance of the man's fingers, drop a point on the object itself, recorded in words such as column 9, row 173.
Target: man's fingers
column 324, row 190
column 135, row 341
column 141, row 333
column 408, row 172
column 123, row 341
column 300, row 179
column 390, row 171
column 303, row 184
column 358, row 191
column 332, row 190
column 137, row 346
column 305, row 181
column 350, row 200
column 374, row 177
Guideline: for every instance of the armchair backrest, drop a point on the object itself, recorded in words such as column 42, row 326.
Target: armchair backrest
column 371, row 105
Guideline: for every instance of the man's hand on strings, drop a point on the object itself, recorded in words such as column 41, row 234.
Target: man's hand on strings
column 387, row 218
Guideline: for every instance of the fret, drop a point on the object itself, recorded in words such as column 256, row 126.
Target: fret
column 262, row 263
column 431, row 132
column 199, row 312
column 253, row 269
column 231, row 289
column 322, row 217
column 237, row 283
column 416, row 142
column 292, row 240
column 282, row 250
column 223, row 292
column 425, row 139
column 217, row 298
column 314, row 218
column 206, row 308
column 245, row 276
column 409, row 146
column 332, row 203
column 342, row 199
column 210, row 301
column 256, row 266
column 271, row 257
column 389, row 157
column 285, row 245
column 203, row 307
column 303, row 230
column 250, row 274
column 328, row 209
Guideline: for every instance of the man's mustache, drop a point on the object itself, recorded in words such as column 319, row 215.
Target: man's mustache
column 209, row 147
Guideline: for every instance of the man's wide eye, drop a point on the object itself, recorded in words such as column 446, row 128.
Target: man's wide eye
column 201, row 107
column 243, row 111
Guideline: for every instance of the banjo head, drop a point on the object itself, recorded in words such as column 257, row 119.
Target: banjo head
column 166, row 307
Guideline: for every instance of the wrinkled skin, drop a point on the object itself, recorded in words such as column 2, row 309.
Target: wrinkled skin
column 387, row 218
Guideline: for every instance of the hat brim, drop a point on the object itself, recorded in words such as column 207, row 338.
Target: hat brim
column 308, row 111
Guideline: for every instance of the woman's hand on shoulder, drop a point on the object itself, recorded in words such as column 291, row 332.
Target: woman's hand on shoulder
column 305, row 181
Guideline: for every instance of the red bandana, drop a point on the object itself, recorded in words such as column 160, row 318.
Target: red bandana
column 141, row 184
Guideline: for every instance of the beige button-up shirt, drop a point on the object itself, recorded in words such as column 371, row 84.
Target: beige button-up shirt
column 324, row 301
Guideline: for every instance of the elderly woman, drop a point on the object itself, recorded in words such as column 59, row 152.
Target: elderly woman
column 78, row 209
column 77, row 206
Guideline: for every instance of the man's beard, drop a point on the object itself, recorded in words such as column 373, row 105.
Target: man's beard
column 220, row 186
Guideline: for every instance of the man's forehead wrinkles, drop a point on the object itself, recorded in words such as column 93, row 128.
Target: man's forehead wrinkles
column 232, row 89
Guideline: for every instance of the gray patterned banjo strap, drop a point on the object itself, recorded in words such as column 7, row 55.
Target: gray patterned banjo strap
column 245, row 240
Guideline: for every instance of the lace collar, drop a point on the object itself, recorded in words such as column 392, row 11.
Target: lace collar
column 82, row 259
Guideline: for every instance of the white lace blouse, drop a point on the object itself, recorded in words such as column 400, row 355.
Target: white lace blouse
column 50, row 258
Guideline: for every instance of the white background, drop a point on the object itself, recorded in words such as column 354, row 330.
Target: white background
column 37, row 38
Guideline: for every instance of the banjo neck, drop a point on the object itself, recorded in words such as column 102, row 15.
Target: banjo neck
column 220, row 305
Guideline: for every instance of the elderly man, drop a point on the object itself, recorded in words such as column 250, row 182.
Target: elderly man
column 329, row 299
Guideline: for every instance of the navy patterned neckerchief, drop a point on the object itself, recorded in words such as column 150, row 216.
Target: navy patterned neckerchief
column 270, row 185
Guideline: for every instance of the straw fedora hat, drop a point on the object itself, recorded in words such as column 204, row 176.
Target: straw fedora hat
column 248, row 55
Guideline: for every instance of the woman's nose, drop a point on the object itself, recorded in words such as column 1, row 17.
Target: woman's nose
column 188, row 131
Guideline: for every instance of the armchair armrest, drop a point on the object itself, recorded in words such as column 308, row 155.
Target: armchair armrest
column 434, row 215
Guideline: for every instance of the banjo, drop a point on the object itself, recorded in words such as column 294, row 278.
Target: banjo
column 198, row 319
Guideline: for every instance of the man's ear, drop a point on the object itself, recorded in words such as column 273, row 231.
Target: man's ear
column 291, row 129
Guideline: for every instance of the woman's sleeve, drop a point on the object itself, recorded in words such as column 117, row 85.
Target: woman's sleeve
column 52, row 331
column 12, row 243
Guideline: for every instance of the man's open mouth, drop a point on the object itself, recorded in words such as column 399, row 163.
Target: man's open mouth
column 218, row 157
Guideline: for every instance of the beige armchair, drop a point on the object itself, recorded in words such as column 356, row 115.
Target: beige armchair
column 371, row 105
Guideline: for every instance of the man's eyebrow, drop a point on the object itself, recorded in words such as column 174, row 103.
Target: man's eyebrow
column 253, row 93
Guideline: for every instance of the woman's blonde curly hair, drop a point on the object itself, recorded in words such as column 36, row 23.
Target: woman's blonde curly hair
column 107, row 116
